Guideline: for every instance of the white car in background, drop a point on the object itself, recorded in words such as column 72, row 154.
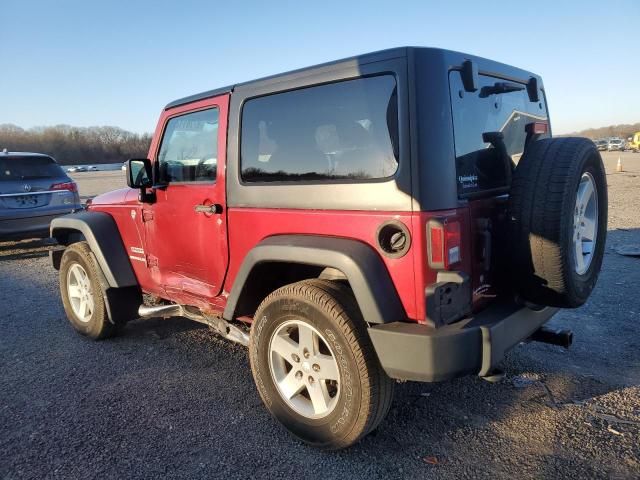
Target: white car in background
column 615, row 144
column 601, row 145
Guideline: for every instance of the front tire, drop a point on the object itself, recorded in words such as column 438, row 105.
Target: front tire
column 314, row 364
column 81, row 293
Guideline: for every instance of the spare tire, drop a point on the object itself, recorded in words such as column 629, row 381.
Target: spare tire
column 557, row 221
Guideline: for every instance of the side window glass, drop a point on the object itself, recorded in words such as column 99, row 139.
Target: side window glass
column 341, row 131
column 189, row 148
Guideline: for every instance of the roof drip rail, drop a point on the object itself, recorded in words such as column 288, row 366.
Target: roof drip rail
column 470, row 76
column 533, row 90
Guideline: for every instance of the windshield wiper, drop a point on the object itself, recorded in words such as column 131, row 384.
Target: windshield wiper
column 499, row 88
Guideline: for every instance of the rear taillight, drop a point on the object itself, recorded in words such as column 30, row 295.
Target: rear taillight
column 443, row 243
column 70, row 186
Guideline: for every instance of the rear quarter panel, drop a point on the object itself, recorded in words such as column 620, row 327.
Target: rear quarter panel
column 248, row 226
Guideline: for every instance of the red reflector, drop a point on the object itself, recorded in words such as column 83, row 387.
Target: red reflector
column 537, row 128
column 436, row 244
column 70, row 186
column 444, row 243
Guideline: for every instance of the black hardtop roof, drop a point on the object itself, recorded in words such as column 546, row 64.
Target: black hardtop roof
column 447, row 57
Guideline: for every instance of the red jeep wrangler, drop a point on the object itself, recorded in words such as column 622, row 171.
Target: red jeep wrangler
column 403, row 214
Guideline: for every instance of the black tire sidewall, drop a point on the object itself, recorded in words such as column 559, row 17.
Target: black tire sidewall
column 94, row 327
column 340, row 421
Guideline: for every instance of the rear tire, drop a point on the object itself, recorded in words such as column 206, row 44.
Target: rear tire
column 357, row 400
column 553, row 262
column 82, row 295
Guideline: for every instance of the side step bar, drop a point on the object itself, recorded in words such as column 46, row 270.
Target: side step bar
column 219, row 324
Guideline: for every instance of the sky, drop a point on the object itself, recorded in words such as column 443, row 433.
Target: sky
column 115, row 62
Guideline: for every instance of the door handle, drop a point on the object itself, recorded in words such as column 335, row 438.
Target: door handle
column 213, row 208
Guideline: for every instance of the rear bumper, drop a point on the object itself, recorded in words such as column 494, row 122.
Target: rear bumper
column 410, row 351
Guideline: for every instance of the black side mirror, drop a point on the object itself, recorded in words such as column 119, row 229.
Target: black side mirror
column 139, row 173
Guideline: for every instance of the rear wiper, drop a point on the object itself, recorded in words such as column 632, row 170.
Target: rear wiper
column 500, row 87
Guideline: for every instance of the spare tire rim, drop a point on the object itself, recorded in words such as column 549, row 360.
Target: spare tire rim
column 80, row 292
column 304, row 369
column 585, row 223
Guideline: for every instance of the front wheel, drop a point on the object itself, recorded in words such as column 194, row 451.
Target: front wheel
column 82, row 293
column 314, row 364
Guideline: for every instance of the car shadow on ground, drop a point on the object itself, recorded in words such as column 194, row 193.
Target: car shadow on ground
column 432, row 425
column 25, row 249
column 160, row 328
column 462, row 421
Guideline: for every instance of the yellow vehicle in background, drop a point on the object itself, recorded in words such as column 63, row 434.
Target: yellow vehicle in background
column 634, row 143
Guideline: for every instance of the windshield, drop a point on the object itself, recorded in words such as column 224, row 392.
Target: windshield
column 23, row 168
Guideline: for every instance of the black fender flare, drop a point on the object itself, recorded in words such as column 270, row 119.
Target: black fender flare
column 363, row 267
column 100, row 231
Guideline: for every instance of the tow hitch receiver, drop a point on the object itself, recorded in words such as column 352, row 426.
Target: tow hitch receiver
column 560, row 337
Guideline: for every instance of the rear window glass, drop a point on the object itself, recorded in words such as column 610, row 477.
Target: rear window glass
column 489, row 124
column 340, row 131
column 22, row 168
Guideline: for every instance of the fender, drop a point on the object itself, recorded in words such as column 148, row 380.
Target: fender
column 101, row 233
column 367, row 275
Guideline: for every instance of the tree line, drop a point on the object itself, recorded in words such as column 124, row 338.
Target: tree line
column 76, row 145
column 86, row 145
column 623, row 131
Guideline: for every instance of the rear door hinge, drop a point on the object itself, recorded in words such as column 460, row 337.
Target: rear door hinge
column 152, row 261
column 147, row 215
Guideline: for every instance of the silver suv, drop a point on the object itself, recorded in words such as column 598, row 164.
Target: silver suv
column 615, row 144
column 33, row 191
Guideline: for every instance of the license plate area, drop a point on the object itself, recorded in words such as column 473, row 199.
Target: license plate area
column 26, row 201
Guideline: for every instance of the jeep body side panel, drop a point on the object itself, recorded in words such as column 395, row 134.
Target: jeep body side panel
column 368, row 276
column 101, row 233
column 188, row 251
column 127, row 211
column 392, row 194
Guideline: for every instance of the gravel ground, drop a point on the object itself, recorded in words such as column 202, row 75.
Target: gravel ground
column 168, row 398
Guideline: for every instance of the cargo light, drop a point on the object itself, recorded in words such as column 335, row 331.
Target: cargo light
column 69, row 186
column 443, row 243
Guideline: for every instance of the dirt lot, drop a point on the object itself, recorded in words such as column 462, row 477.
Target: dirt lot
column 168, row 398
